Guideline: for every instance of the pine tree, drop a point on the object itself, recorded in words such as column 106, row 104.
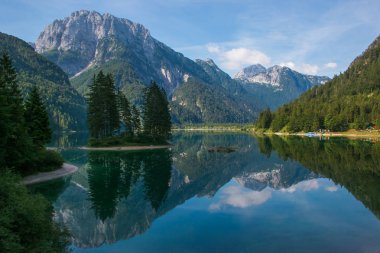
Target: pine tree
column 136, row 122
column 37, row 120
column 4, row 121
column 265, row 119
column 112, row 112
column 156, row 118
column 103, row 111
column 94, row 112
column 125, row 113
column 17, row 144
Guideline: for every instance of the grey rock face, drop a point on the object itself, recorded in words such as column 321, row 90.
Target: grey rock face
column 87, row 40
column 278, row 76
column 276, row 85
column 250, row 71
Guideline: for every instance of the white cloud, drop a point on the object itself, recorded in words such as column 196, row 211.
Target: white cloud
column 308, row 69
column 303, row 68
column 331, row 188
column 213, row 48
column 288, row 64
column 303, row 186
column 239, row 197
column 331, row 65
column 236, row 58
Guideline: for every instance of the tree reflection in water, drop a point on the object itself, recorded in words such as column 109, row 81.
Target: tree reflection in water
column 111, row 176
column 351, row 163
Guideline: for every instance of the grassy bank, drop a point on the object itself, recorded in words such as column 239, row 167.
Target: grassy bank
column 352, row 133
column 214, row 127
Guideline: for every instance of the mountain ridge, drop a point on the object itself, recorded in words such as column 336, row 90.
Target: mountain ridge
column 66, row 107
column 277, row 85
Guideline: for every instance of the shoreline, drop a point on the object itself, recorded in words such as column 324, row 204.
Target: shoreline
column 353, row 134
column 65, row 170
column 209, row 130
column 349, row 134
column 124, row 148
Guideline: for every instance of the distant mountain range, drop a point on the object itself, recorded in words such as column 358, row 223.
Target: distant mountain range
column 277, row 85
column 200, row 92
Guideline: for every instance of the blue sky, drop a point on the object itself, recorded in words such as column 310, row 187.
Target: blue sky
column 312, row 36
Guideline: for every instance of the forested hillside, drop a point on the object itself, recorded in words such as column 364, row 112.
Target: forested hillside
column 66, row 107
column 197, row 102
column 350, row 100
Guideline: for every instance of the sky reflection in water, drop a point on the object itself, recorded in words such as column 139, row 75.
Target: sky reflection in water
column 260, row 198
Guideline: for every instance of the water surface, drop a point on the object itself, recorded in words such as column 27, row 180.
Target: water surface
column 271, row 195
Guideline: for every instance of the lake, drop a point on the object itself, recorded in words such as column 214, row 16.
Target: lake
column 272, row 194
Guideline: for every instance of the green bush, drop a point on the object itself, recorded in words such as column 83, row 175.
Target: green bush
column 26, row 220
column 42, row 161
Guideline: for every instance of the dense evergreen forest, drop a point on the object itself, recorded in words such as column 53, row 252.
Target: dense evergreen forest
column 113, row 121
column 197, row 102
column 65, row 106
column 24, row 126
column 350, row 100
column 26, row 220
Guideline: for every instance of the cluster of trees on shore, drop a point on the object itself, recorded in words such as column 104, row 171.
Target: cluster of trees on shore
column 26, row 223
column 349, row 101
column 24, row 126
column 111, row 115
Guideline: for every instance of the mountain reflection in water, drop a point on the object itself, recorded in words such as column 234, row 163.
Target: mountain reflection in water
column 117, row 195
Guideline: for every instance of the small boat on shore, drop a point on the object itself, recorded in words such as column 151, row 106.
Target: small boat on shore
column 312, row 134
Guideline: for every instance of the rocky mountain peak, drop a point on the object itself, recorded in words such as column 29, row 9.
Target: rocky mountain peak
column 277, row 76
column 207, row 61
column 210, row 62
column 278, row 68
column 250, row 71
column 86, row 26
column 82, row 34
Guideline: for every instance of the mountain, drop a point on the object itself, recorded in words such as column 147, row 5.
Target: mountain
column 66, row 107
column 276, row 85
column 220, row 100
column 86, row 42
column 250, row 71
column 198, row 102
column 349, row 101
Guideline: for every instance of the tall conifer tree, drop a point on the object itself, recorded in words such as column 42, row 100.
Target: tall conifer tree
column 136, row 122
column 37, row 120
column 125, row 113
column 17, row 143
column 112, row 112
column 103, row 113
column 157, row 122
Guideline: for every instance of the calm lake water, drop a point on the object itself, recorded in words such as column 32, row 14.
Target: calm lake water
column 271, row 195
